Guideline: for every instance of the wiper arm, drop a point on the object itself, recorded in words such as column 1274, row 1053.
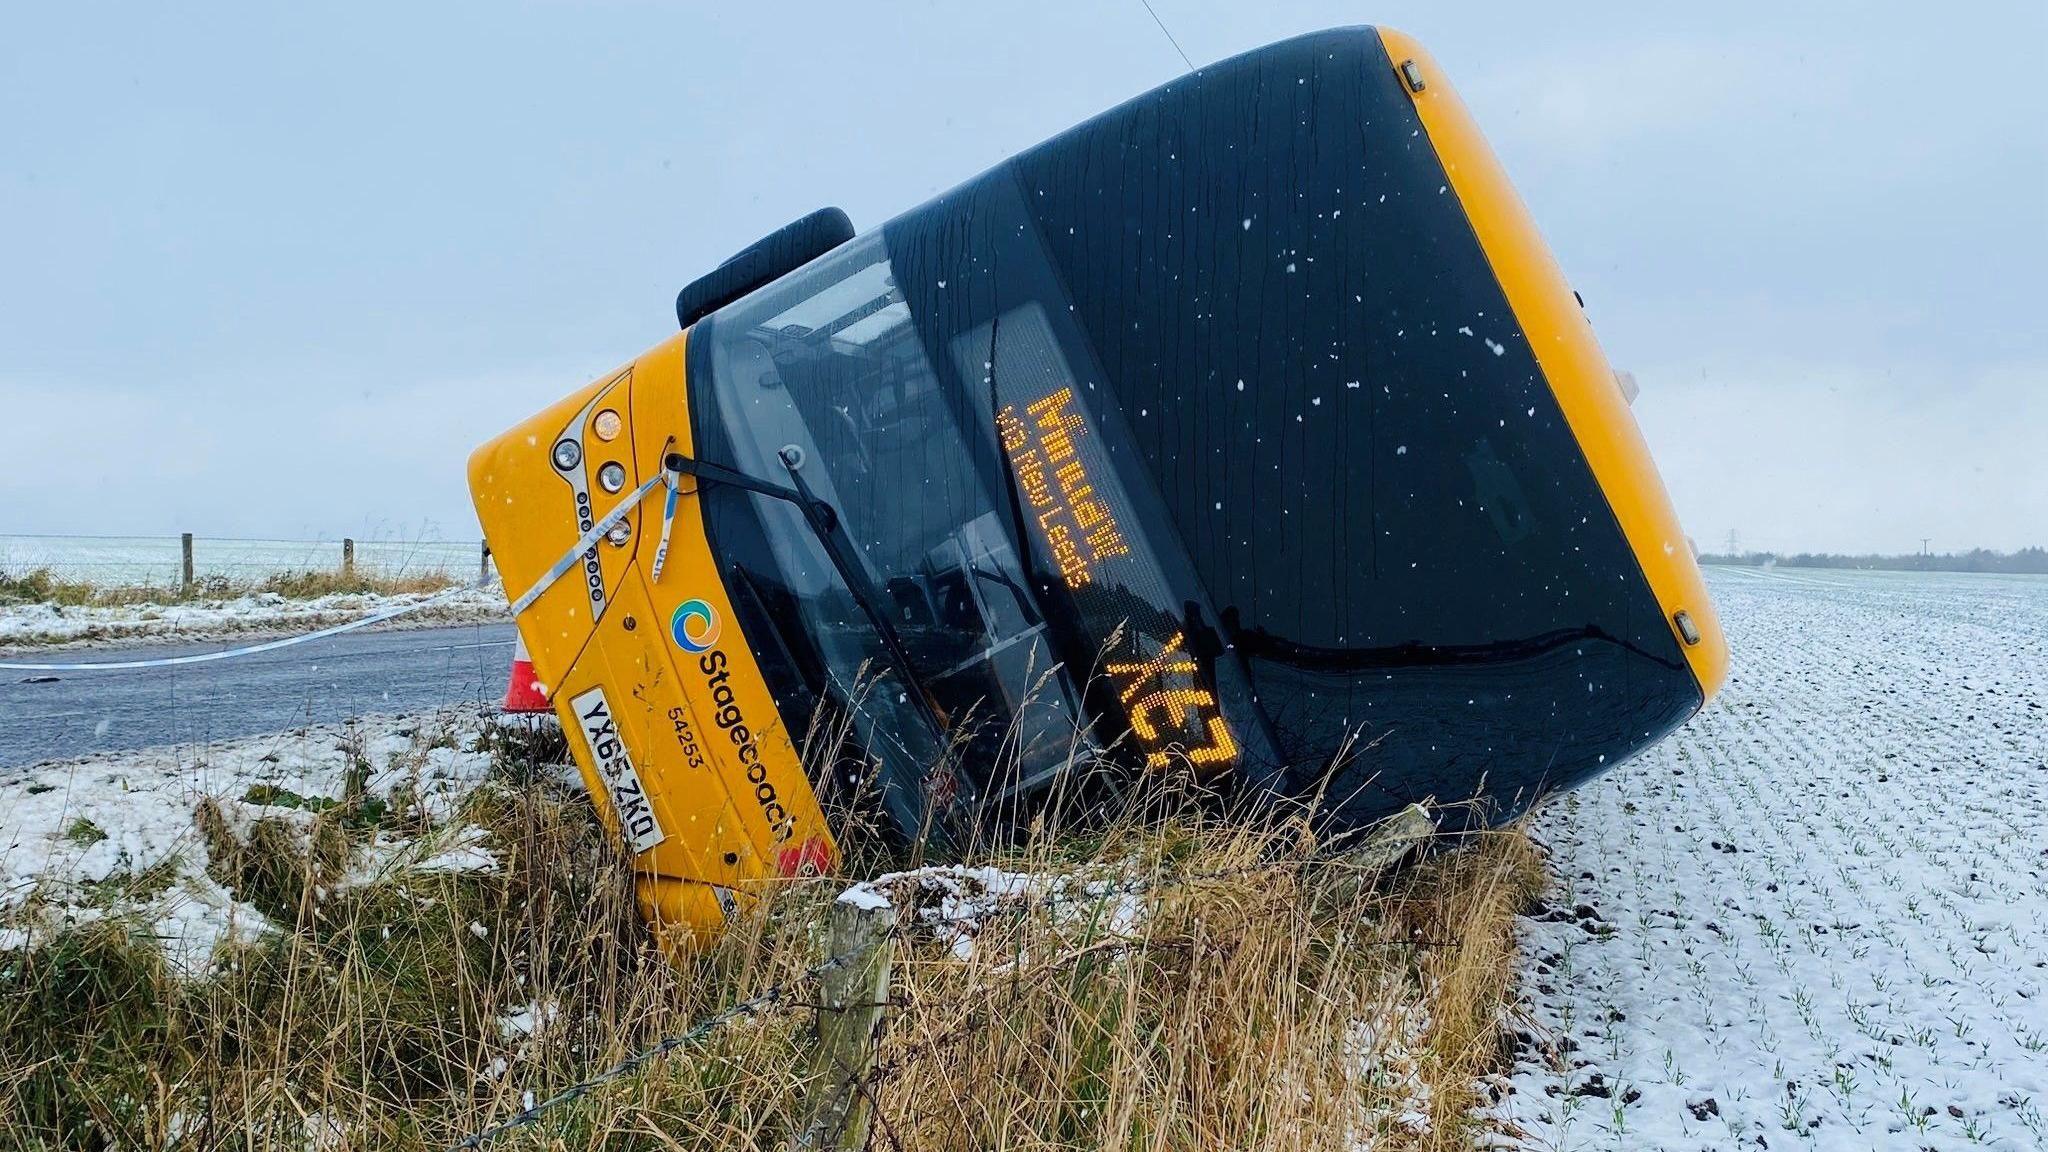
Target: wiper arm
column 825, row 525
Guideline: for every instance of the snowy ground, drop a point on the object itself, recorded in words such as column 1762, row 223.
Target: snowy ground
column 1817, row 916
column 82, row 838
column 266, row 613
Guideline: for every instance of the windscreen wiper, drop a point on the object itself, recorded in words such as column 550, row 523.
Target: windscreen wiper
column 826, row 526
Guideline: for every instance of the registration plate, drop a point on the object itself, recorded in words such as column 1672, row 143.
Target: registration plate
column 622, row 785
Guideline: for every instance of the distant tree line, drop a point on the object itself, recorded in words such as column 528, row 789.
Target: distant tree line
column 2026, row 560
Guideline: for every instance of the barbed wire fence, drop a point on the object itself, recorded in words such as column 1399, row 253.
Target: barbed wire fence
column 775, row 996
column 862, row 933
column 186, row 559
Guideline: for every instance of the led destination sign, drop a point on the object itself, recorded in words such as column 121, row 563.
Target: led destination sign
column 1045, row 451
column 1173, row 711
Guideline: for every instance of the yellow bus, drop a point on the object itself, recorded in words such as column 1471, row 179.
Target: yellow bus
column 1246, row 430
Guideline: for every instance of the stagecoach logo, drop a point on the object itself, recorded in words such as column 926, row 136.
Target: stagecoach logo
column 694, row 625
column 637, row 821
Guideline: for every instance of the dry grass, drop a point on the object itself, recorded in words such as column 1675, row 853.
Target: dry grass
column 1267, row 1000
column 312, row 583
column 41, row 586
column 1220, row 986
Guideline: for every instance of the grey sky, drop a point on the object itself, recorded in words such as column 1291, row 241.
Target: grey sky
column 267, row 272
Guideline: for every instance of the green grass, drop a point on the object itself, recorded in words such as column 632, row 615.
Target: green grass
column 373, row 997
column 124, row 890
column 310, row 584
column 81, row 1016
column 275, row 796
column 84, row 833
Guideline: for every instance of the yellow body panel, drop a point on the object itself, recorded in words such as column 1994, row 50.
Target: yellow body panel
column 721, row 777
column 1562, row 339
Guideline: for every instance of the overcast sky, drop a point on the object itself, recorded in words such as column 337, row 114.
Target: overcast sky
column 264, row 272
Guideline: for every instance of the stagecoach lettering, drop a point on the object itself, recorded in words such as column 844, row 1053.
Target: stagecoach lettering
column 718, row 678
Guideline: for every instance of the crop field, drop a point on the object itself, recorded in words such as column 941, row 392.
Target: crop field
column 1817, row 916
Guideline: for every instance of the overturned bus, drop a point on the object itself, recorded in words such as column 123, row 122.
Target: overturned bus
column 1247, row 430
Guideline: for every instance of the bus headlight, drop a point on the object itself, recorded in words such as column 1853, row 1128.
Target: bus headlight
column 612, row 477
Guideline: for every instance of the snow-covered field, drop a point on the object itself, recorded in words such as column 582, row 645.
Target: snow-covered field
column 1817, row 916
column 80, row 839
column 47, row 625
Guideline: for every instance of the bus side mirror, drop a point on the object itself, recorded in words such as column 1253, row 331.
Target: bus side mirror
column 772, row 256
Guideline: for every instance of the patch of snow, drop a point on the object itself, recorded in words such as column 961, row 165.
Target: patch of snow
column 1390, row 1049
column 326, row 1133
column 445, row 849
column 865, row 897
column 77, row 835
column 953, row 902
column 462, row 858
column 530, row 1020
column 45, row 625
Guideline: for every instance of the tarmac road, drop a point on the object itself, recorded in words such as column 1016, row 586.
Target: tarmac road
column 320, row 682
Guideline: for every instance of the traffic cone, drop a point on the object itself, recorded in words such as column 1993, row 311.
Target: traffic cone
column 524, row 693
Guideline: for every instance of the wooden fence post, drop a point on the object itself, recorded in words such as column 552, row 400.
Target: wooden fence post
column 854, row 997
column 185, row 567
column 348, row 558
column 1383, row 847
column 1398, row 833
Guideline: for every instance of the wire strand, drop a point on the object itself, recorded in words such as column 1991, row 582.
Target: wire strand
column 1169, row 34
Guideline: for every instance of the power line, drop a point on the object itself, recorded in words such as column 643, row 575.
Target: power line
column 1169, row 35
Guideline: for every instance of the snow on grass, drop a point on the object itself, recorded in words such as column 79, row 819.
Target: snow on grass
column 1816, row 917
column 954, row 901
column 116, row 833
column 1391, row 1050
column 42, row 625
